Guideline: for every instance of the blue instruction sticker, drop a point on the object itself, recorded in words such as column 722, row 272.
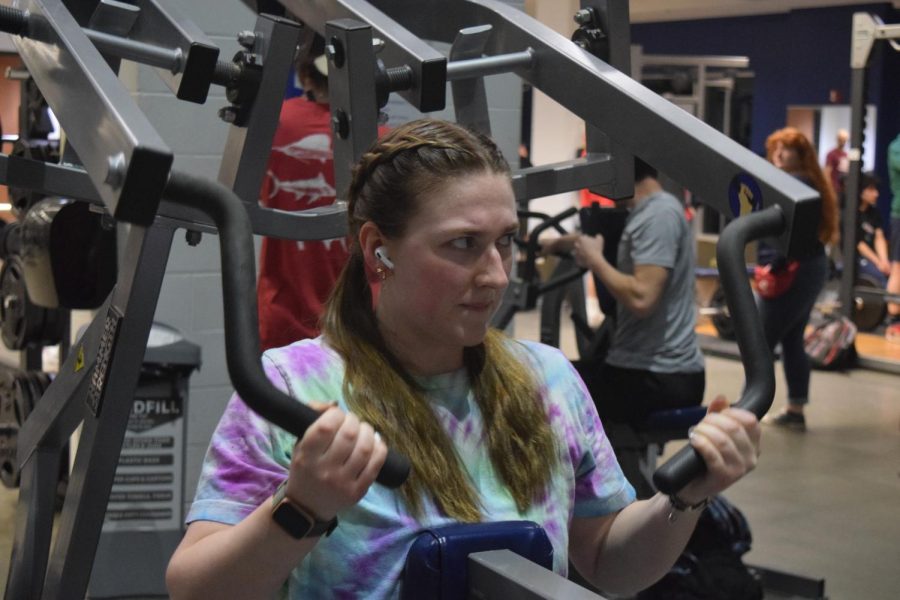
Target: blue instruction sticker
column 744, row 195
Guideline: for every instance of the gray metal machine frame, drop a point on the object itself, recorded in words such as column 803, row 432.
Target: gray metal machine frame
column 126, row 166
column 866, row 32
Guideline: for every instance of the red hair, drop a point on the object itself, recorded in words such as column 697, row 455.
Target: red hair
column 811, row 172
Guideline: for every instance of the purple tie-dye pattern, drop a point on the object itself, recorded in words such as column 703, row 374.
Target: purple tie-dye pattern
column 365, row 555
column 451, row 425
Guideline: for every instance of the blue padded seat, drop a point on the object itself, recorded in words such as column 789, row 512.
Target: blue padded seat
column 437, row 563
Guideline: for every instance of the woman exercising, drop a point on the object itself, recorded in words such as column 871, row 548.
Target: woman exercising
column 495, row 429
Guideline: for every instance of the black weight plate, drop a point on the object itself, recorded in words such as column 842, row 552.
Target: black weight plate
column 35, row 389
column 868, row 311
column 21, row 321
column 23, row 397
column 9, row 469
column 43, row 380
column 12, row 304
column 7, row 397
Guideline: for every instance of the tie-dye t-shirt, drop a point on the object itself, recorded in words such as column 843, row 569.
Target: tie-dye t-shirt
column 364, row 557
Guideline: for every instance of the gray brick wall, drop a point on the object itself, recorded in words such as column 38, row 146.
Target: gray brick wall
column 190, row 299
column 191, row 295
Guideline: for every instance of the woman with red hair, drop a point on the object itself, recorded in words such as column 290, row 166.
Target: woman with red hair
column 785, row 316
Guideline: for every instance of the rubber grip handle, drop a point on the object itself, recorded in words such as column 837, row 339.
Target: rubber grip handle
column 759, row 389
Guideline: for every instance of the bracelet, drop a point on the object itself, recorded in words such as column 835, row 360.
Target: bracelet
column 677, row 505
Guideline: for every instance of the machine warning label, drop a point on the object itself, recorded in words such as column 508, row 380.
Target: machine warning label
column 142, row 478
column 138, row 515
column 145, row 460
column 147, row 443
column 150, row 496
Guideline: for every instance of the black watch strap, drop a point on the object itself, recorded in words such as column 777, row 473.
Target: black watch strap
column 296, row 520
column 677, row 505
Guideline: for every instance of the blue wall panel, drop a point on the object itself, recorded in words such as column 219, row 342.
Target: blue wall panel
column 797, row 57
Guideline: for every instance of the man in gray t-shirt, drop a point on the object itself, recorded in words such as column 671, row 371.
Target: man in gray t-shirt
column 654, row 362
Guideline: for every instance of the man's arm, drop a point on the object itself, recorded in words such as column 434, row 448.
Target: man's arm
column 881, row 250
column 867, row 252
column 638, row 293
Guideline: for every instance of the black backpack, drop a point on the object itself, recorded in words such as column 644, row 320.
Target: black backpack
column 710, row 568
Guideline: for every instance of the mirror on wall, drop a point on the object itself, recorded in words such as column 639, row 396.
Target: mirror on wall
column 821, row 125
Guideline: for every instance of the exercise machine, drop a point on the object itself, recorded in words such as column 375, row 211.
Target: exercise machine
column 72, row 50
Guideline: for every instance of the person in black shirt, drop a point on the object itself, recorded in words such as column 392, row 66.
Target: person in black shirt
column 871, row 244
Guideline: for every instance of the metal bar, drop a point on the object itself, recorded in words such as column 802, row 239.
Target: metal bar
column 126, row 159
column 504, row 575
column 887, row 32
column 110, row 399
column 615, row 21
column 60, row 410
column 851, row 189
column 875, row 293
column 351, row 93
column 34, row 525
column 726, row 175
column 401, row 47
column 469, row 96
column 488, row 65
column 171, row 59
column 72, row 181
column 247, row 148
column 716, row 62
column 795, row 586
column 161, row 23
column 566, row 176
column 53, row 179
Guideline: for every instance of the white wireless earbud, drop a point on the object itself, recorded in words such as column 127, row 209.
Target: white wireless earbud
column 382, row 255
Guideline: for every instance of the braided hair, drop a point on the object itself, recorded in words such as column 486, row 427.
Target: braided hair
column 388, row 185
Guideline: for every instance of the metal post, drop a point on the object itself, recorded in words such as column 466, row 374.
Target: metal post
column 34, row 524
column 504, row 575
column 351, row 91
column 109, row 400
column 616, row 22
column 469, row 96
column 851, row 189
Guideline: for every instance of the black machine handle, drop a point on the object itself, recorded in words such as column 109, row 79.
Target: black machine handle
column 533, row 245
column 759, row 389
column 241, row 318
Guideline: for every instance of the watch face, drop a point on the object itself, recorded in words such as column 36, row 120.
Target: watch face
column 292, row 520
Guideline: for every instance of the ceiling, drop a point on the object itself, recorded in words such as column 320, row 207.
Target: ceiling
column 678, row 10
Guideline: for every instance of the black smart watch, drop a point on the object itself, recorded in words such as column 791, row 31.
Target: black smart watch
column 296, row 520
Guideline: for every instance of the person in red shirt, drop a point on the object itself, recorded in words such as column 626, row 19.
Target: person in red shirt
column 837, row 164
column 296, row 277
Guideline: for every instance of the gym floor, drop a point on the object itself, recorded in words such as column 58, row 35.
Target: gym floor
column 822, row 504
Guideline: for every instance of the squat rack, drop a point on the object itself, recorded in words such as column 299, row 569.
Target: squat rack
column 127, row 168
column 866, row 31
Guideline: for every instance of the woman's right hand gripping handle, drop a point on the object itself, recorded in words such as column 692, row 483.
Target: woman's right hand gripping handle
column 334, row 463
